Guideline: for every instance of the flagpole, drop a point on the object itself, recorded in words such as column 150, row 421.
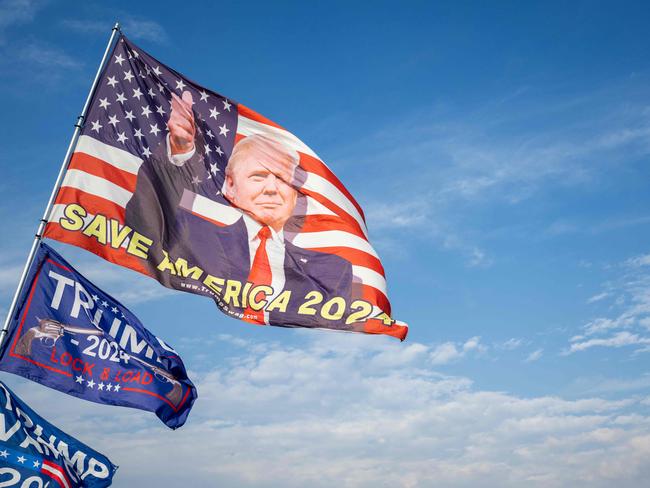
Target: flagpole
column 43, row 222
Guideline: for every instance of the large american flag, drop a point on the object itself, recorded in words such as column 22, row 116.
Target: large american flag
column 127, row 121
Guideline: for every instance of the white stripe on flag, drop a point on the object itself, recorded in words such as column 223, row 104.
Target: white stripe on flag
column 209, row 208
column 112, row 155
column 97, row 186
column 55, row 474
column 370, row 277
column 331, row 238
column 323, row 187
column 316, row 208
column 248, row 127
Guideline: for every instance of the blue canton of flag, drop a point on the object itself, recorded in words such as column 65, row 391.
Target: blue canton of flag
column 71, row 336
column 35, row 453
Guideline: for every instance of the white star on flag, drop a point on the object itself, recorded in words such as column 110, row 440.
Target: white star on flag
column 137, row 93
column 180, row 85
column 104, row 103
column 119, row 59
column 22, row 459
column 91, row 383
column 79, row 379
column 214, row 113
column 226, row 105
column 96, row 126
column 146, row 111
column 121, row 98
column 138, row 134
column 128, row 76
column 121, row 137
column 146, row 152
column 129, row 115
column 204, row 96
column 154, row 129
column 223, row 130
column 113, row 120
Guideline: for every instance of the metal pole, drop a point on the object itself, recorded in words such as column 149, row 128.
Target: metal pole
column 48, row 209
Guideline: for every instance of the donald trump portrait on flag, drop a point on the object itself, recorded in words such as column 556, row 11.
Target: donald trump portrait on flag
column 261, row 180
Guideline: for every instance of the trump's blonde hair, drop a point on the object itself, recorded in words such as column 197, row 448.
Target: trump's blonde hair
column 262, row 146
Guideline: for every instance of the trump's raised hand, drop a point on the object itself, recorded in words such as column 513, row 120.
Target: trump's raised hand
column 182, row 128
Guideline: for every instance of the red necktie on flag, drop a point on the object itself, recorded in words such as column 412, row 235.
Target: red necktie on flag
column 260, row 275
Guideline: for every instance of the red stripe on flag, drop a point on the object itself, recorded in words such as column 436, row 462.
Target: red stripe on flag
column 56, row 472
column 316, row 166
column 253, row 115
column 92, row 203
column 349, row 219
column 101, row 168
column 374, row 326
column 324, row 222
column 376, row 297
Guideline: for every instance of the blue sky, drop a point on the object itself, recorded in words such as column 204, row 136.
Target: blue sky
column 501, row 154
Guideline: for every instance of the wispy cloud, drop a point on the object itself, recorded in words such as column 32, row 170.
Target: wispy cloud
column 598, row 297
column 135, row 28
column 450, row 351
column 460, row 173
column 619, row 339
column 628, row 297
column 47, row 56
column 15, row 12
column 535, row 355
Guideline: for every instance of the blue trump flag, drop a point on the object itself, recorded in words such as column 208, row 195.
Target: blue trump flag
column 71, row 336
column 35, row 453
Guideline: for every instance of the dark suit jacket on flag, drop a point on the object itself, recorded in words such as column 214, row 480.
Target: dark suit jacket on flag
column 127, row 198
column 71, row 336
column 33, row 452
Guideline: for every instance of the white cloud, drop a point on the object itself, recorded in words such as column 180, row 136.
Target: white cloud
column 534, row 356
column 47, row 56
column 449, row 351
column 638, row 261
column 133, row 27
column 628, row 293
column 13, row 12
column 618, row 340
column 598, row 297
column 511, row 344
column 326, row 415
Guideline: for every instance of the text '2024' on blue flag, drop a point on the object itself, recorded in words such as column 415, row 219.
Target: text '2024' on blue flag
column 71, row 336
column 35, row 453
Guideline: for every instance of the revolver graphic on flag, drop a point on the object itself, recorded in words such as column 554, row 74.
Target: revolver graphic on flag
column 48, row 331
column 175, row 395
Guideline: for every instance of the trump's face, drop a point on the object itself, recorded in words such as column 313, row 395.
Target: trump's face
column 254, row 187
